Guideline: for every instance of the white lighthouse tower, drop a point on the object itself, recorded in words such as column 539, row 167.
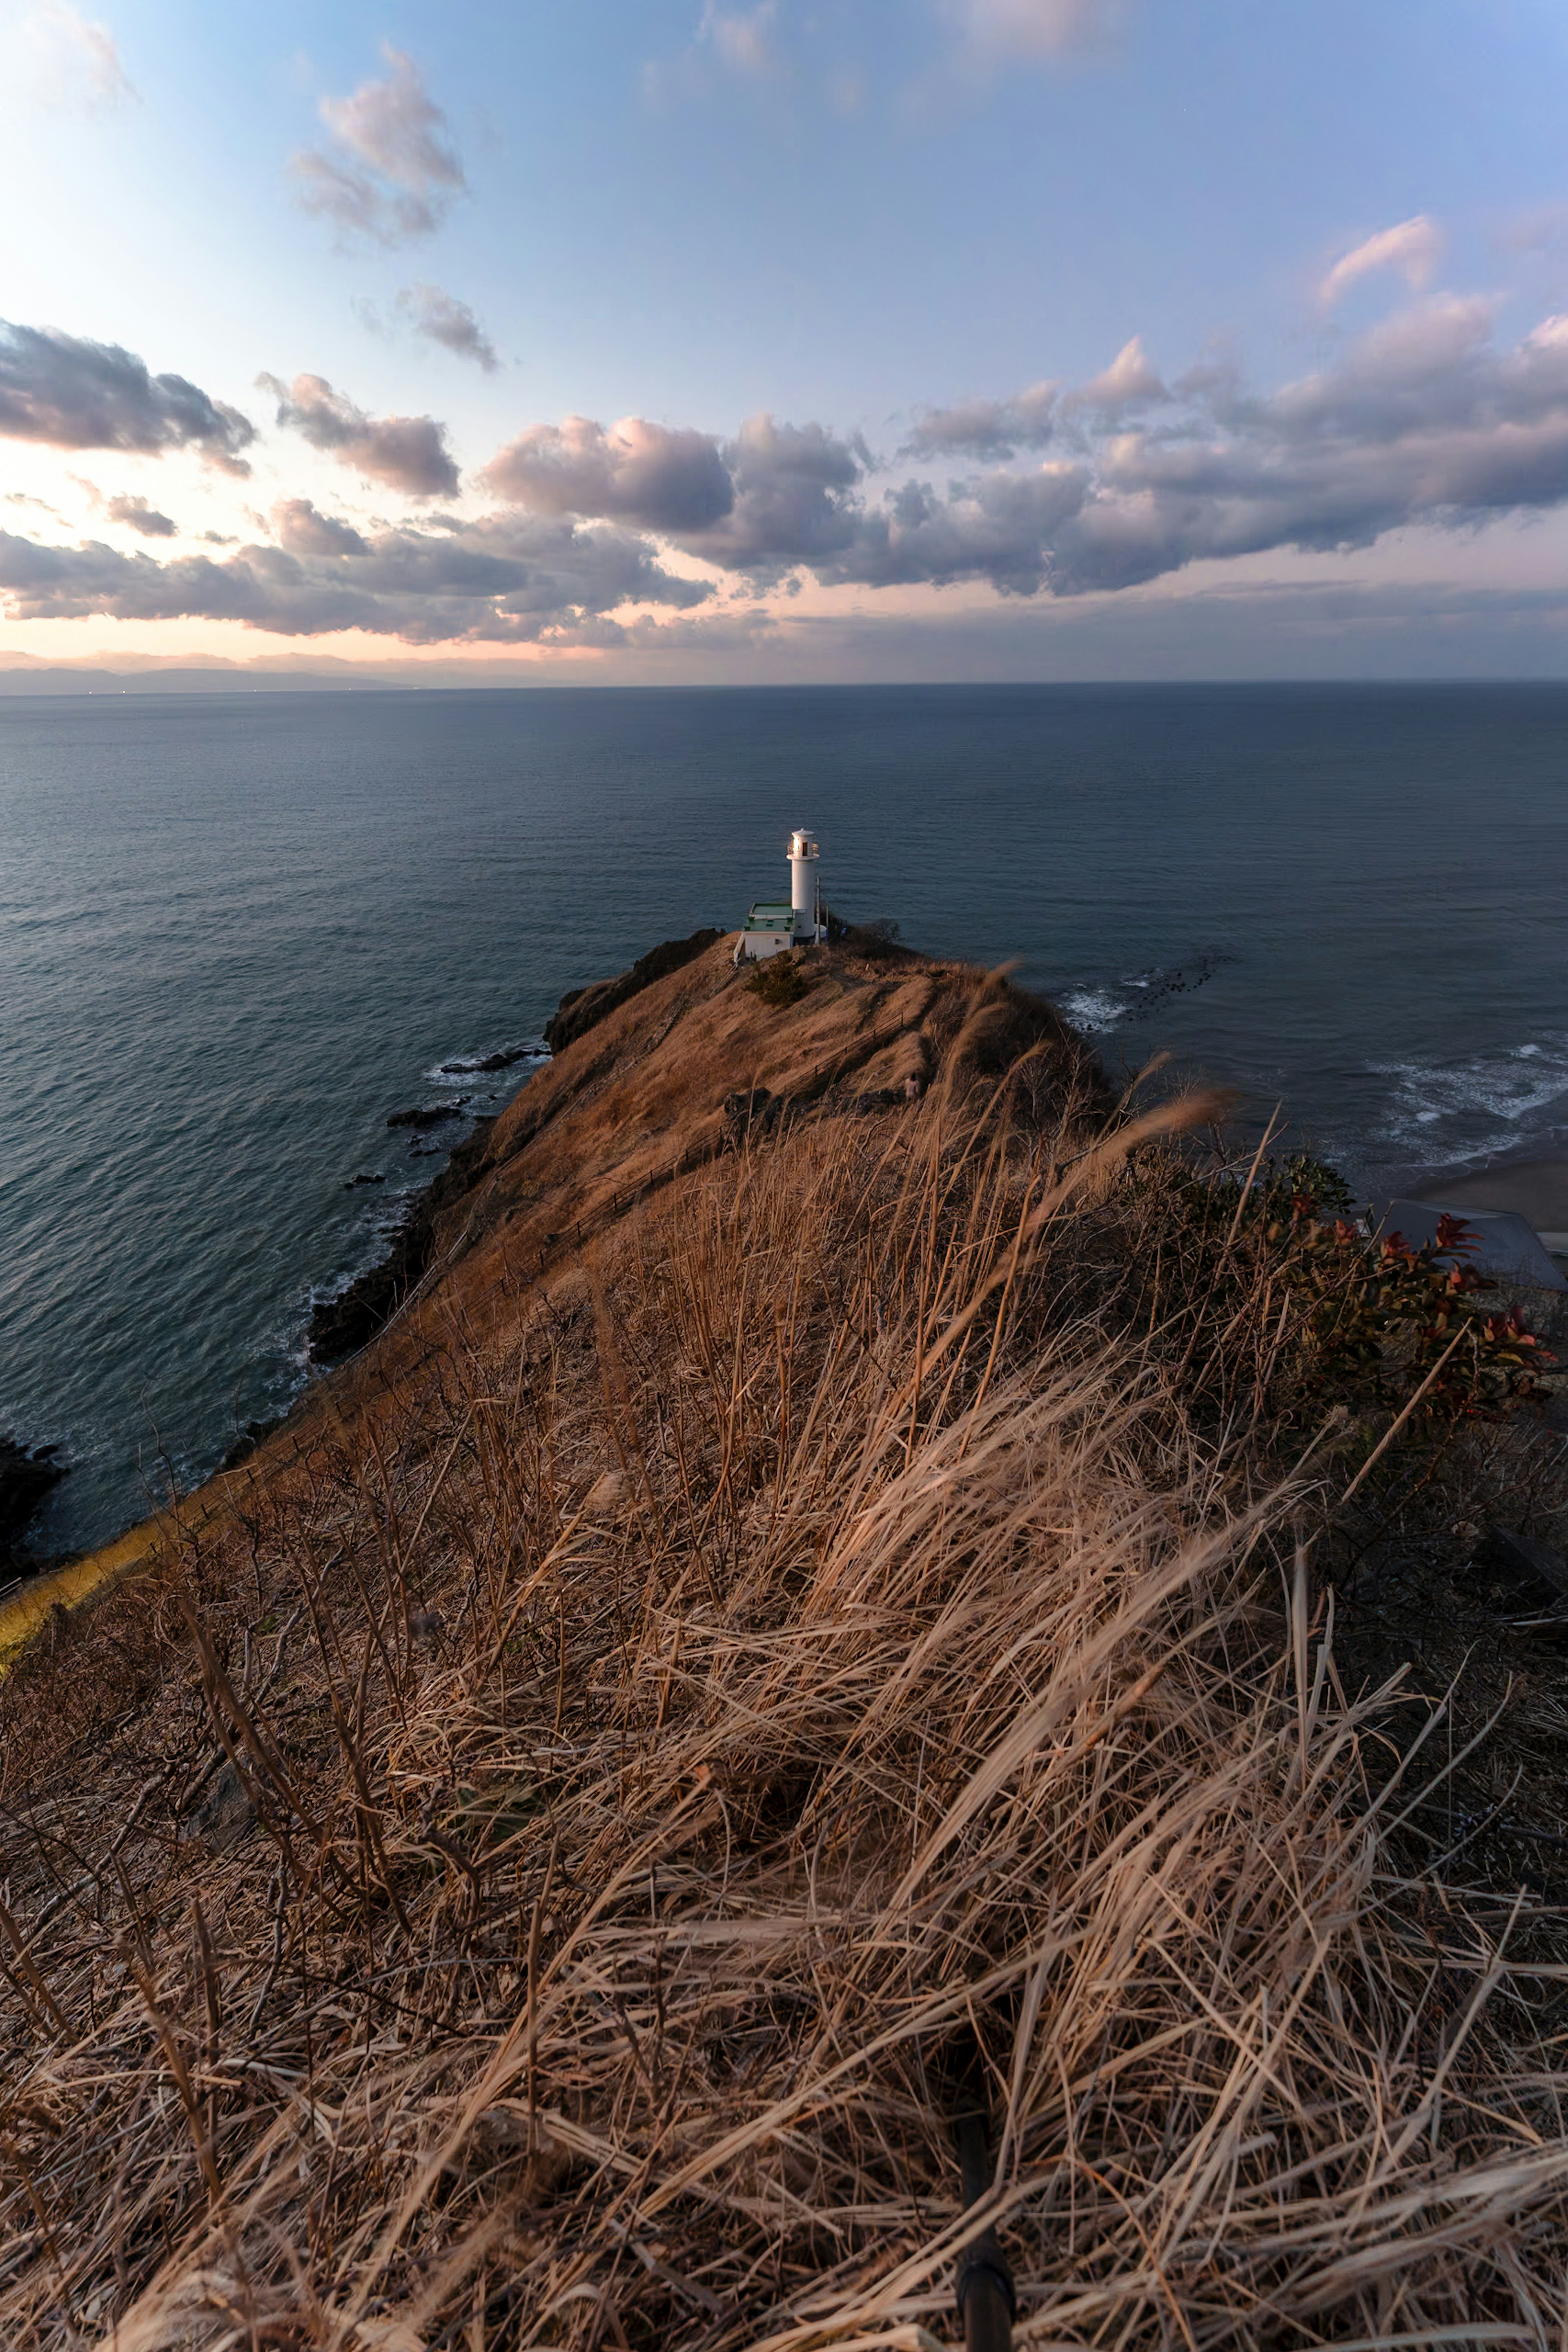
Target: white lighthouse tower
column 803, row 892
column 775, row 925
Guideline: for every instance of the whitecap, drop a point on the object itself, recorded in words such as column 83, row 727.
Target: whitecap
column 1094, row 1009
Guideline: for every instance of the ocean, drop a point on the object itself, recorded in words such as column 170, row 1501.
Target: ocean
column 237, row 933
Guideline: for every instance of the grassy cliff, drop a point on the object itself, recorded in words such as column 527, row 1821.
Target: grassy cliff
column 826, row 1603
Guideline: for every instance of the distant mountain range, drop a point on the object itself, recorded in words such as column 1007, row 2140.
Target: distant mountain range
column 59, row 679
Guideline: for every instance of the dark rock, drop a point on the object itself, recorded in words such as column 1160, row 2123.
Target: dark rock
column 752, row 1111
column 249, row 1438
column 433, row 1117
column 339, row 1326
column 228, row 1816
column 26, row 1477
column 355, row 1182
column 500, row 1061
column 581, row 1009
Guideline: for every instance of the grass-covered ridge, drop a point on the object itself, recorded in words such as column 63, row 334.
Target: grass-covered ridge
column 526, row 1879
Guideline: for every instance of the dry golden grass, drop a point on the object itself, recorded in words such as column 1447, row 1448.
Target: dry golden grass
column 530, row 1886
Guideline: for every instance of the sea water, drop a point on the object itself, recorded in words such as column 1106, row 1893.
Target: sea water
column 237, row 932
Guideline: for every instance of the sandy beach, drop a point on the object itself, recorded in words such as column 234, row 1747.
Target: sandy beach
column 1537, row 1189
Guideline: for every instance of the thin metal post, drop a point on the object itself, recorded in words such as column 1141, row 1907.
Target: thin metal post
column 983, row 2288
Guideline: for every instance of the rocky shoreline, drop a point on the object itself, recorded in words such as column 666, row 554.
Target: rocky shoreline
column 28, row 1474
column 340, row 1326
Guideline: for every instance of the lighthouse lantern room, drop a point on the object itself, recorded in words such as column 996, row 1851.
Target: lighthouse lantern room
column 776, row 924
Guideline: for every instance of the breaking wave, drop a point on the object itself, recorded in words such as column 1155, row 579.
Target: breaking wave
column 1472, row 1108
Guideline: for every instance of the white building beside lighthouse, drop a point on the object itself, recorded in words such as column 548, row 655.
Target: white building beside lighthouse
column 775, row 924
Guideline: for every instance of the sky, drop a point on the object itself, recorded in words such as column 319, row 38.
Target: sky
column 648, row 341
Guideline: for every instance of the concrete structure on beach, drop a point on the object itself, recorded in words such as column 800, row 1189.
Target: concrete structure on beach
column 775, row 924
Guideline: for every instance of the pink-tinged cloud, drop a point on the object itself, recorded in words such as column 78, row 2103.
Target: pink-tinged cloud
column 1414, row 247
column 1424, row 423
column 139, row 515
column 442, row 319
column 404, row 453
column 998, row 29
column 1128, row 384
column 390, row 170
column 75, row 56
column 742, row 38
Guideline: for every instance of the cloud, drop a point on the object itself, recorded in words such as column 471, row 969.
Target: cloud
column 792, row 499
column 390, row 172
column 780, row 498
column 1423, row 422
column 137, row 515
column 506, row 581
column 996, row 29
column 1127, row 384
column 1426, row 423
column 74, row 394
column 303, row 529
column 442, row 319
column 741, row 38
column 1545, row 230
column 1001, row 529
column 736, row 41
column 1414, row 247
column 405, row 453
column 636, row 473
column 987, row 428
column 73, row 59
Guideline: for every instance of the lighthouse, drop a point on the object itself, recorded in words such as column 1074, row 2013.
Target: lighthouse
column 803, row 892
column 777, row 924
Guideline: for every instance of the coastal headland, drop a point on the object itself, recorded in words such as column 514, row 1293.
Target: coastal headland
column 859, row 1591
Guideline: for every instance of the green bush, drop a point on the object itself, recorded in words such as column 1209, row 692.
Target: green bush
column 1327, row 1315
column 778, row 982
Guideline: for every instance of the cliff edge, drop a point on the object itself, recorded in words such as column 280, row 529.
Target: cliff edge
column 812, row 1642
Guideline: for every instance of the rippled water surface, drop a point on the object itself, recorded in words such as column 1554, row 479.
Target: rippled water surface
column 235, row 934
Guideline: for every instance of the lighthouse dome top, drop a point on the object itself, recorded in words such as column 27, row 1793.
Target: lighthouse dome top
column 801, row 843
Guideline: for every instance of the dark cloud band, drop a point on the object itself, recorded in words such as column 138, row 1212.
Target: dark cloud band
column 508, row 581
column 74, row 394
column 1425, row 422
